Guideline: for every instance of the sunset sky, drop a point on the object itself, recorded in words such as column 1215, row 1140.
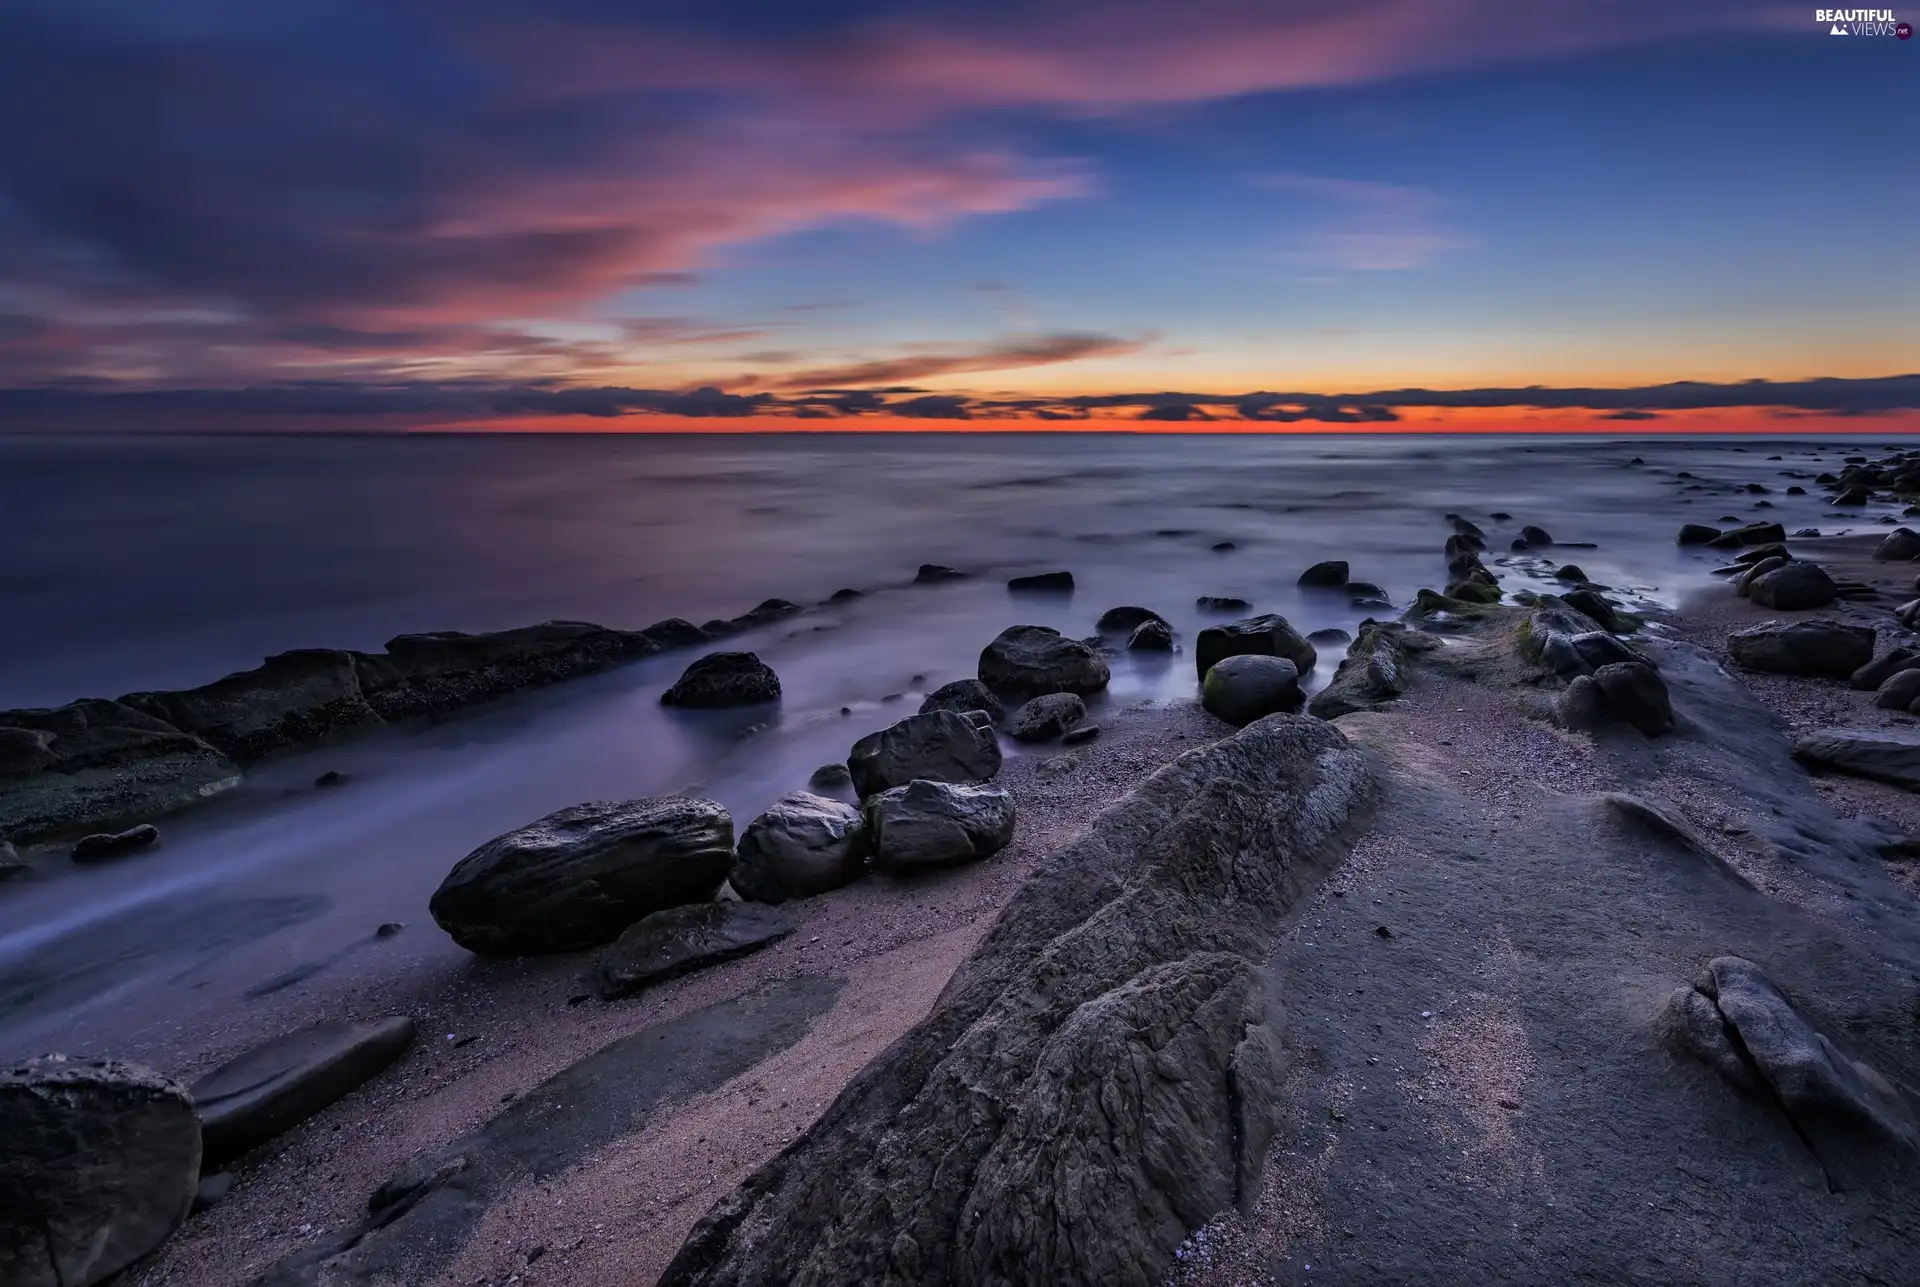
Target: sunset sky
column 384, row 214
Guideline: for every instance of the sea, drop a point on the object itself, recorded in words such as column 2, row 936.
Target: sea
column 130, row 563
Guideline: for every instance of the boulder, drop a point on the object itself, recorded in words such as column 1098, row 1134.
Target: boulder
column 935, row 573
column 1266, row 636
column 1042, row 583
column 1329, row 575
column 1793, row 587
column 1220, row 603
column 1760, row 552
column 1151, row 636
column 927, row 824
column 942, row 746
column 830, row 777
column 1820, row 649
column 1749, row 573
column 577, row 877
column 1030, row 660
column 1535, row 535
column 1045, row 718
column 1751, row 534
column 663, row 944
column 1901, row 545
column 804, row 844
column 1120, row 620
column 724, row 679
column 106, row 846
column 96, row 763
column 1891, row 662
column 1373, row 671
column 1899, row 692
column 1884, row 755
column 1247, row 687
column 1598, row 648
column 99, row 1167
column 1734, row 1020
column 1079, row 733
column 1636, row 693
column 272, row 1088
column 961, row 696
column 1599, row 609
column 1697, row 534
column 1582, row 706
column 1331, row 636
column 1570, row 572
column 1099, row 1079
column 1547, row 637
column 678, row 632
column 1365, row 590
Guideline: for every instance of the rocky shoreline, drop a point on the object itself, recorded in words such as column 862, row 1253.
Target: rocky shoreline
column 1534, row 907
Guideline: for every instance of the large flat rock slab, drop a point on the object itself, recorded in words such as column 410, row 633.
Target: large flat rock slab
column 98, row 1163
column 274, row 1087
column 685, row 938
column 1881, row 754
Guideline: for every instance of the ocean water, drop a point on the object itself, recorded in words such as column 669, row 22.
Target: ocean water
column 166, row 562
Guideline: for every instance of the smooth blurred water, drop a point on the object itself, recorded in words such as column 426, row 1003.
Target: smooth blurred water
column 136, row 563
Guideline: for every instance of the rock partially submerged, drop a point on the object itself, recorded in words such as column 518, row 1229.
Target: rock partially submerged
column 1042, row 583
column 936, row 824
column 942, row 746
column 1374, row 671
column 961, row 696
column 1097, row 1080
column 577, row 877
column 1122, row 619
column 98, row 1167
column 273, row 1088
column 664, row 944
column 722, row 679
column 1266, row 636
column 1244, row 688
column 1151, row 636
column 803, row 845
column 105, row 846
column 1031, row 660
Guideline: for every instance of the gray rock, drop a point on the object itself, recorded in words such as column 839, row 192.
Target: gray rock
column 1330, row 575
column 1123, row 619
column 1891, row 662
column 1331, row 636
column 1900, row 545
column 1697, row 534
column 273, row 1088
column 1762, row 1041
column 830, row 777
column 577, row 877
column 1267, row 636
column 1031, row 660
column 1535, row 535
column 1597, row 608
column 1364, row 590
column 927, row 824
column 1582, row 706
column 942, row 746
column 724, row 679
column 1598, row 648
column 1885, row 755
column 1899, row 692
column 963, row 695
column 935, row 573
column 1547, row 637
column 1244, row 688
column 97, row 763
column 1820, row 649
column 1636, row 693
column 1151, row 636
column 1042, row 583
column 664, row 944
column 1744, row 579
column 99, row 1167
column 105, row 846
column 1045, row 718
column 803, row 845
column 1220, row 603
column 1751, row 534
column 1373, row 671
column 1112, row 1030
column 1570, row 572
column 1079, row 733
column 1793, row 587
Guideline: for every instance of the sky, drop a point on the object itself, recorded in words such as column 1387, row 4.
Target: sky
column 1253, row 215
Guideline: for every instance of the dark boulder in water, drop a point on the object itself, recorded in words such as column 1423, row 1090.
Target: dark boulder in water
column 1031, row 660
column 1268, row 636
column 961, row 696
column 1126, row 618
column 1151, row 636
column 942, row 746
column 1220, row 603
column 1247, row 687
column 934, row 573
column 1329, row 575
column 722, row 679
column 1046, row 717
column 1042, row 583
column 104, row 846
